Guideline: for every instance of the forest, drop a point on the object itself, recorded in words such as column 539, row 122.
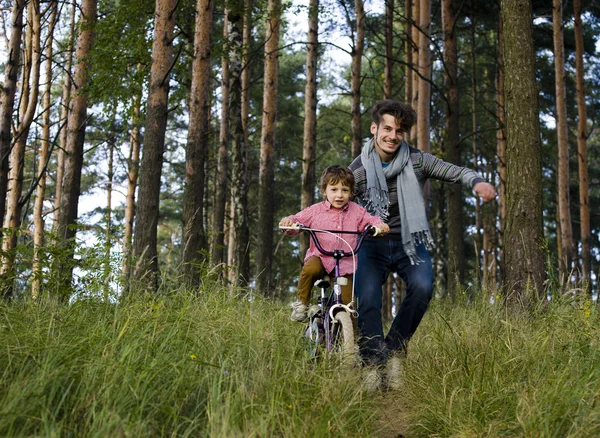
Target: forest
column 146, row 144
column 149, row 148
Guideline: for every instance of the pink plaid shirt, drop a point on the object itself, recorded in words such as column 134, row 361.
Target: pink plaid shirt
column 323, row 216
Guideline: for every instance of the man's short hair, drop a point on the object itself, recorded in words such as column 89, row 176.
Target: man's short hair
column 336, row 174
column 404, row 114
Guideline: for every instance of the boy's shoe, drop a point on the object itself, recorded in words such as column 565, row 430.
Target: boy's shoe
column 393, row 372
column 299, row 311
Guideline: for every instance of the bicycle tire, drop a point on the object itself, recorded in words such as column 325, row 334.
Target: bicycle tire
column 314, row 336
column 344, row 342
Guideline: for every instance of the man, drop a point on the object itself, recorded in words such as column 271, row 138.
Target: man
column 390, row 176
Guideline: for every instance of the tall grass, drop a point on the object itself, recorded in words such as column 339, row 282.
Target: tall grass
column 482, row 370
column 178, row 365
column 208, row 365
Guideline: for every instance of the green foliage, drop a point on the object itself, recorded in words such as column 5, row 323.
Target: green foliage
column 194, row 363
column 120, row 55
column 484, row 370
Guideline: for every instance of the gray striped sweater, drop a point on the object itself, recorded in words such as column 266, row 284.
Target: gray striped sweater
column 426, row 166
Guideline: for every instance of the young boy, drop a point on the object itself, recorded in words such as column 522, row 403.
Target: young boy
column 336, row 212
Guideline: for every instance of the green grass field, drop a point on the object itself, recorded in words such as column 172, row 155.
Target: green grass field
column 213, row 366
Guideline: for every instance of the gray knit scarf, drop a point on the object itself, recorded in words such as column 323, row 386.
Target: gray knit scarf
column 413, row 220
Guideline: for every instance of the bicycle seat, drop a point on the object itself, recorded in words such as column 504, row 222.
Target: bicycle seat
column 322, row 283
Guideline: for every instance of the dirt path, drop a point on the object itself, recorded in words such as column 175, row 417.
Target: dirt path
column 392, row 416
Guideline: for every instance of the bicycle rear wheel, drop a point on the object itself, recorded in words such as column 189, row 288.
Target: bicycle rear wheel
column 343, row 340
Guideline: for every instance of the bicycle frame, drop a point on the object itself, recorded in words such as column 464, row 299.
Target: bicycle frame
column 331, row 304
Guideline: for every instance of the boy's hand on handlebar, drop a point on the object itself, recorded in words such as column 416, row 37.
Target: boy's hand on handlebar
column 289, row 227
column 286, row 222
column 381, row 230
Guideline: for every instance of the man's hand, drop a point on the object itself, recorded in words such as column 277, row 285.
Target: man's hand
column 485, row 191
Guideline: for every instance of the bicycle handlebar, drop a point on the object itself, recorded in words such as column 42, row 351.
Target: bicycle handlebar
column 313, row 234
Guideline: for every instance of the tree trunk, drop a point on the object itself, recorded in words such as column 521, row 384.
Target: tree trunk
column 244, row 271
column 475, row 137
column 423, row 110
column 566, row 236
column 309, row 149
column 456, row 256
column 264, row 256
column 239, row 184
column 65, row 110
column 389, row 49
column 44, row 155
column 71, row 184
column 145, row 239
column 584, row 194
column 108, row 216
column 416, row 34
column 523, row 255
column 408, row 44
column 501, row 145
column 357, row 53
column 194, row 238
column 133, row 166
column 217, row 243
column 11, row 72
column 27, row 107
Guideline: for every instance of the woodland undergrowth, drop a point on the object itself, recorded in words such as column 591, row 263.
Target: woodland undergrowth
column 204, row 362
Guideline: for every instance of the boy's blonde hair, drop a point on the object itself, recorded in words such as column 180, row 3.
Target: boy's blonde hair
column 336, row 174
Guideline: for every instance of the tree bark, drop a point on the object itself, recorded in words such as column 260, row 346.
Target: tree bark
column 65, row 110
column 194, row 238
column 108, row 216
column 44, row 155
column 584, row 194
column 523, row 239
column 309, row 148
column 408, row 44
column 501, row 145
column 566, row 236
column 416, row 34
column 389, row 49
column 474, row 138
column 146, row 223
column 239, row 184
column 71, row 184
column 264, row 256
column 218, row 238
column 244, row 265
column 133, row 166
column 357, row 53
column 27, row 108
column 423, row 110
column 455, row 230
column 11, row 72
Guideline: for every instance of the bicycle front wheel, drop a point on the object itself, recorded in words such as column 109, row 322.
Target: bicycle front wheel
column 343, row 339
column 314, row 336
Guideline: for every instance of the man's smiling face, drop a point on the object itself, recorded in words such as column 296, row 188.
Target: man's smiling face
column 388, row 136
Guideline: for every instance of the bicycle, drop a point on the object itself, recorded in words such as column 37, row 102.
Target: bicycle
column 330, row 326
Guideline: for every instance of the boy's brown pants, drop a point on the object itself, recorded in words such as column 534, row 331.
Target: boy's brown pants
column 312, row 271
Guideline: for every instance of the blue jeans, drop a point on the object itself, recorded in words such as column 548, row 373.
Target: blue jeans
column 376, row 259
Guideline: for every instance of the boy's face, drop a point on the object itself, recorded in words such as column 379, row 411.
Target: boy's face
column 338, row 194
column 388, row 136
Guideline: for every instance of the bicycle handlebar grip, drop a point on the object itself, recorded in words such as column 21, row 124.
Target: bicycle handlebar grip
column 295, row 227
